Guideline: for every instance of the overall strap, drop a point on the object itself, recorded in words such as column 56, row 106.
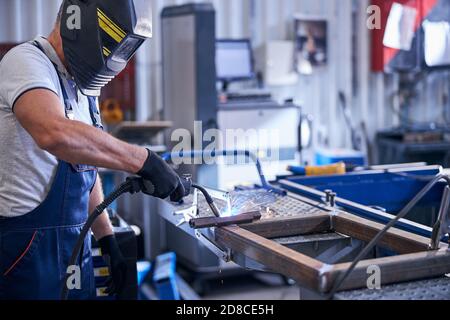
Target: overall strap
column 93, row 110
column 67, row 105
column 95, row 114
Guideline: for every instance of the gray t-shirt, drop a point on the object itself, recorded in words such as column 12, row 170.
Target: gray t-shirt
column 26, row 171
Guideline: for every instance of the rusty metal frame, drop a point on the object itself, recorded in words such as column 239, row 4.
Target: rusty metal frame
column 414, row 262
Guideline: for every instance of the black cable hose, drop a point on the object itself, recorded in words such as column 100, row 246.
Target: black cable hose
column 128, row 186
column 205, row 193
column 209, row 199
column 340, row 280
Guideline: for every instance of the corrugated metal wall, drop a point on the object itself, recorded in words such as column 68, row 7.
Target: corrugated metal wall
column 261, row 20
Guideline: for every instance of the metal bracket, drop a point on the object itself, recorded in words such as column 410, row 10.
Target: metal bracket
column 190, row 212
column 211, row 245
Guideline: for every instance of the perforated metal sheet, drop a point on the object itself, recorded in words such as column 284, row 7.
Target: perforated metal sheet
column 435, row 289
column 290, row 207
column 271, row 205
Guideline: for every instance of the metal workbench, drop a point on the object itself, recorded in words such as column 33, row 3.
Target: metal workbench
column 433, row 289
column 310, row 242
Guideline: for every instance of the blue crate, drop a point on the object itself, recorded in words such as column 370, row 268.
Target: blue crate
column 371, row 194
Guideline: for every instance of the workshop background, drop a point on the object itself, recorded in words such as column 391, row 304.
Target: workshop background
column 365, row 103
column 372, row 96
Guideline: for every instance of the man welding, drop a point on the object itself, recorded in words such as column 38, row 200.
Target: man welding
column 51, row 143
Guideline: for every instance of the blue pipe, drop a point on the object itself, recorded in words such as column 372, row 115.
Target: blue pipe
column 226, row 153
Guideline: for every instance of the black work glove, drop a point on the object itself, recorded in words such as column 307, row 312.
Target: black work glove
column 116, row 264
column 163, row 177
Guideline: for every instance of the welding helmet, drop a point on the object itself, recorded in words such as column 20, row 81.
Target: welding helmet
column 98, row 46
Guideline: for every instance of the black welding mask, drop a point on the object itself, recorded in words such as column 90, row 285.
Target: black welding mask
column 100, row 36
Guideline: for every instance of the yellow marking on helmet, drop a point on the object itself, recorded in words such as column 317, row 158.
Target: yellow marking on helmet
column 106, row 51
column 112, row 29
column 118, row 29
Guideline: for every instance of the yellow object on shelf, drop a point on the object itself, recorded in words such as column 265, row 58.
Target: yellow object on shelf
column 111, row 112
column 325, row 170
column 338, row 168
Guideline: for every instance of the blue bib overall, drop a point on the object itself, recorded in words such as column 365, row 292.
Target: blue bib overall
column 35, row 248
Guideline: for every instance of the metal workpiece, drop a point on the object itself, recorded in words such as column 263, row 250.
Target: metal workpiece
column 217, row 222
column 412, row 255
column 330, row 248
column 271, row 205
column 310, row 242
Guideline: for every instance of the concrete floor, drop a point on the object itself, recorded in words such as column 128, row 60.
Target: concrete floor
column 252, row 287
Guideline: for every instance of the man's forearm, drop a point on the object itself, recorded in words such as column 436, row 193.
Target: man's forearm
column 84, row 144
column 40, row 113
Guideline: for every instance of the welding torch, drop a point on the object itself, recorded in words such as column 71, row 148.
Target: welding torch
column 218, row 221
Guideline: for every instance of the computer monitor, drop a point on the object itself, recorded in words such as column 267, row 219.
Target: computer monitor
column 234, row 60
